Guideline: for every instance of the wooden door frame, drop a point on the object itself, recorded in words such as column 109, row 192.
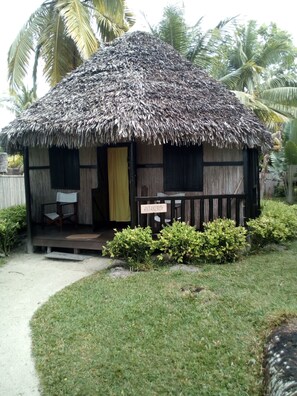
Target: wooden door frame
column 131, row 179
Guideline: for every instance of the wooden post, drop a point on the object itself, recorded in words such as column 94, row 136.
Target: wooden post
column 251, row 183
column 132, row 182
column 247, row 206
column 28, row 200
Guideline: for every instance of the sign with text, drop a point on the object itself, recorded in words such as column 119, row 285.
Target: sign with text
column 153, row 208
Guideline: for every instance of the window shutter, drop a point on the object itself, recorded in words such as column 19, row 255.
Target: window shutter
column 64, row 168
column 183, row 168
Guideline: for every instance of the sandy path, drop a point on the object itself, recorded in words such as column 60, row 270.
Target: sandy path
column 26, row 282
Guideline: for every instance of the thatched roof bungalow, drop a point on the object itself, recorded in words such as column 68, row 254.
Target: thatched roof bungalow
column 134, row 120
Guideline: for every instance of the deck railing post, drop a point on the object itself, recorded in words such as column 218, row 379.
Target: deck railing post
column 229, row 205
column 201, row 214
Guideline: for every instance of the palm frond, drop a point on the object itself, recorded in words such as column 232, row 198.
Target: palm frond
column 18, row 100
column 7, row 103
column 282, row 95
column 224, row 22
column 173, row 29
column 113, row 18
column 291, row 152
column 292, row 131
column 270, row 117
column 22, row 48
column 76, row 19
column 278, row 81
column 231, row 79
column 198, row 48
column 58, row 51
column 271, row 52
column 248, row 37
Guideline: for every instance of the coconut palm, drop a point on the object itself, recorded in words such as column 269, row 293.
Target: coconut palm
column 191, row 42
column 63, row 33
column 258, row 66
column 17, row 101
column 256, row 63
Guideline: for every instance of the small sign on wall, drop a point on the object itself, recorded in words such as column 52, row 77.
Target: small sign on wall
column 153, row 208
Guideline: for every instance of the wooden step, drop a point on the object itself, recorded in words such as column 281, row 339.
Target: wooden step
column 65, row 256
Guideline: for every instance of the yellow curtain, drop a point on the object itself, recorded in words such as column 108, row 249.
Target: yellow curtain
column 118, row 184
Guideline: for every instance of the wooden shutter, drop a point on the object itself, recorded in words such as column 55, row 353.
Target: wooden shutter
column 64, row 168
column 183, row 168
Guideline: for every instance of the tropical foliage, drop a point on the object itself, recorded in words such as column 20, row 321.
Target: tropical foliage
column 12, row 220
column 291, row 143
column 62, row 33
column 19, row 99
column 191, row 41
column 256, row 63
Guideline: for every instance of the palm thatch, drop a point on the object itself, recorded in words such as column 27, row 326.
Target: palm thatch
column 138, row 88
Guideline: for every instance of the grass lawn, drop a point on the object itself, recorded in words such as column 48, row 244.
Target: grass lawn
column 145, row 335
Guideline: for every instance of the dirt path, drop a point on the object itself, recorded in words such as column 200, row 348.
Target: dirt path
column 26, row 282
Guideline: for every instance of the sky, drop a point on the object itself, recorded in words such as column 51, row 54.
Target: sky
column 14, row 14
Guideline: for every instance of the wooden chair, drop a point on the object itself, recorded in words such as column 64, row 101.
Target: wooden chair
column 65, row 209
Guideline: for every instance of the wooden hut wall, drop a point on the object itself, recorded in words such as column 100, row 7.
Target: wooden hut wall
column 220, row 179
column 217, row 177
column 40, row 183
column 88, row 181
column 222, row 174
column 149, row 169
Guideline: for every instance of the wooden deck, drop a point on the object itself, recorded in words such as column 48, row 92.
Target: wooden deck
column 76, row 239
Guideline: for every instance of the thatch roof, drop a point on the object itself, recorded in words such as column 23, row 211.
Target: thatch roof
column 136, row 88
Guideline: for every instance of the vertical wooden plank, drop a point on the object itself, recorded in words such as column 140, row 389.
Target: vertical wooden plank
column 149, row 153
column 100, row 196
column 132, row 182
column 201, row 221
column 247, row 206
column 183, row 209
column 12, row 190
column 139, row 217
column 229, row 208
column 172, row 210
column 210, row 210
column 28, row 200
column 192, row 212
column 220, row 207
column 214, row 154
column 237, row 211
column 251, row 183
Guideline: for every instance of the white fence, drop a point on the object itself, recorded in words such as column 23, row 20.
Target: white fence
column 12, row 190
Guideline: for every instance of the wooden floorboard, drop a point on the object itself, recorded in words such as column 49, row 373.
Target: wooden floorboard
column 81, row 238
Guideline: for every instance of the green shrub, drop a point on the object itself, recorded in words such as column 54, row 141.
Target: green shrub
column 134, row 245
column 223, row 241
column 180, row 242
column 265, row 230
column 277, row 223
column 8, row 233
column 12, row 220
column 15, row 161
column 286, row 214
column 17, row 214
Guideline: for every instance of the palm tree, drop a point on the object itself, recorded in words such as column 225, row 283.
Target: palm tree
column 258, row 66
column 194, row 44
column 63, row 33
column 19, row 100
